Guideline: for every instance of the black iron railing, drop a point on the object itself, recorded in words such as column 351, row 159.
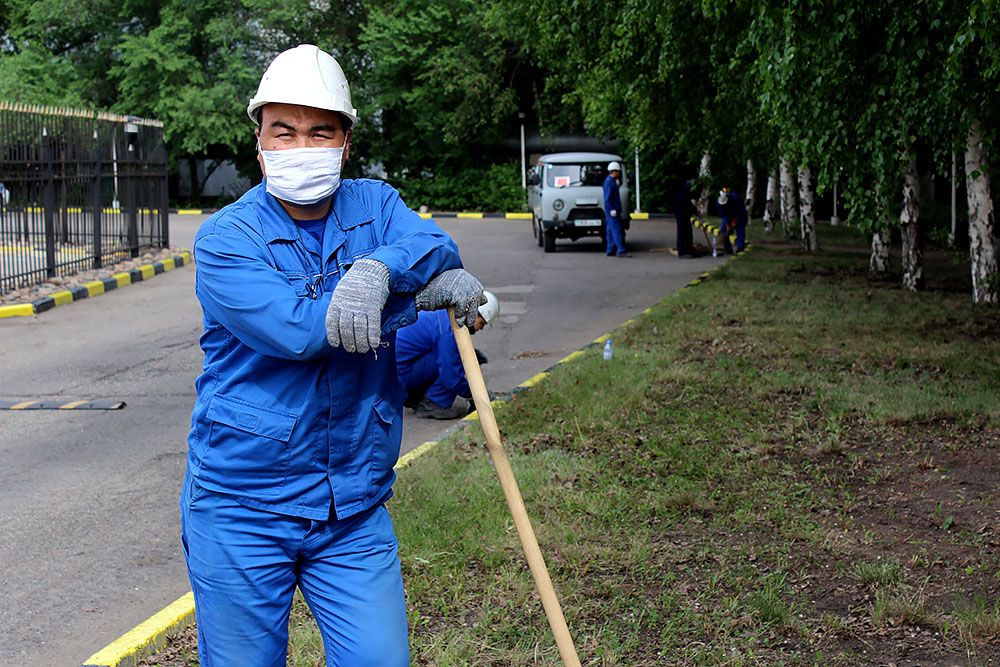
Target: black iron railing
column 78, row 190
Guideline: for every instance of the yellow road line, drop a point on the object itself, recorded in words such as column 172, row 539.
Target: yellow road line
column 22, row 405
column 71, row 405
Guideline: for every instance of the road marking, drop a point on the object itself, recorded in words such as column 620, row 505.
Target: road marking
column 71, row 405
column 22, row 405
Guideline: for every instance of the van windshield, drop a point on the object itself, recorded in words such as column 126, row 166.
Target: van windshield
column 574, row 175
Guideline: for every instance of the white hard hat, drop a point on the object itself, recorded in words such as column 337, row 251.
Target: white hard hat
column 308, row 76
column 614, row 166
column 491, row 309
column 723, row 197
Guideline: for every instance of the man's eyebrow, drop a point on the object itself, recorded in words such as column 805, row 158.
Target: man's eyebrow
column 325, row 127
column 279, row 123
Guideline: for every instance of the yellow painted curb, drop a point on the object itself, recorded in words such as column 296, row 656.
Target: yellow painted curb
column 168, row 264
column 535, row 379
column 17, row 310
column 603, row 338
column 147, row 271
column 62, row 297
column 472, row 216
column 571, row 356
column 425, row 216
column 640, row 216
column 144, row 639
column 94, row 287
column 71, row 405
column 189, row 211
column 517, row 216
column 187, row 257
column 415, row 453
column 123, row 279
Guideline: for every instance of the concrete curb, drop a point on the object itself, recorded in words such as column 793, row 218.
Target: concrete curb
column 148, row 637
column 96, row 287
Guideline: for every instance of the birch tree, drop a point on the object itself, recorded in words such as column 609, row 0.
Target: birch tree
column 771, row 206
column 751, row 188
column 909, row 218
column 973, row 69
column 807, row 209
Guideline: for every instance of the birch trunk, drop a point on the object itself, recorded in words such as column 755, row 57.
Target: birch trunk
column 789, row 205
column 806, row 206
column 751, row 189
column 909, row 218
column 704, row 174
column 878, row 263
column 982, row 223
column 771, row 201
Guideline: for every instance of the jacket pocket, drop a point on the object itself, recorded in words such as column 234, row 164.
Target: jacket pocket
column 248, row 451
column 387, row 432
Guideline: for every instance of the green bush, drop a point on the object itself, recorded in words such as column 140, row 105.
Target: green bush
column 493, row 188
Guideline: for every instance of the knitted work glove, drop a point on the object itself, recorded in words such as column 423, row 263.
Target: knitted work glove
column 354, row 318
column 455, row 287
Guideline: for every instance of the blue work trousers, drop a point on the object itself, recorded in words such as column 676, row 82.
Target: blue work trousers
column 615, row 242
column 245, row 563
column 741, row 236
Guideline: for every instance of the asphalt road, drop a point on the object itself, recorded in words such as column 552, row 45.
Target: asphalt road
column 88, row 500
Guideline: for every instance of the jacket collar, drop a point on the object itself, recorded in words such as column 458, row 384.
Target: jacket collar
column 347, row 212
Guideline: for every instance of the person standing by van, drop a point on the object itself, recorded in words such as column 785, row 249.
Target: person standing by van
column 613, row 212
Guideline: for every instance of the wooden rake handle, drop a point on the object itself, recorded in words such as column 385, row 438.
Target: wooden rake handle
column 474, row 376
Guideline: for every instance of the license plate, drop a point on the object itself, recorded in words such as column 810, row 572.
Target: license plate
column 587, row 223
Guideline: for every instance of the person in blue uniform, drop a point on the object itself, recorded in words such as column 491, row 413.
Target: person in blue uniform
column 429, row 364
column 734, row 219
column 298, row 417
column 613, row 213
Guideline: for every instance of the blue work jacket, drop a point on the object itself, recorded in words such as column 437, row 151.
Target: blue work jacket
column 283, row 421
column 427, row 357
column 733, row 213
column 612, row 197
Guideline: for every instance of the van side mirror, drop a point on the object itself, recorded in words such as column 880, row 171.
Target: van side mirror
column 533, row 178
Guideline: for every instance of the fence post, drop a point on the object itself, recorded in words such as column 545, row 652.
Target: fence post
column 164, row 200
column 95, row 202
column 49, row 203
column 131, row 186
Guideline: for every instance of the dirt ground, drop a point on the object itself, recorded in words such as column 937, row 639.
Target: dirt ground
column 923, row 495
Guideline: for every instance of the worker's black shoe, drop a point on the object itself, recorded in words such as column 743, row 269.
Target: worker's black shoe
column 428, row 409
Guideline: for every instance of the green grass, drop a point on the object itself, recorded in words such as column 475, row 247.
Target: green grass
column 692, row 496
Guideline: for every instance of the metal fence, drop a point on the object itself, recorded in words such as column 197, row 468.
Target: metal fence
column 78, row 190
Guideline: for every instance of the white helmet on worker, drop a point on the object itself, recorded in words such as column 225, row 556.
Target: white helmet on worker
column 490, row 310
column 723, row 196
column 308, row 76
column 614, row 166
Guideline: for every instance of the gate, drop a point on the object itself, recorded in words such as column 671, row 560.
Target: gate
column 78, row 190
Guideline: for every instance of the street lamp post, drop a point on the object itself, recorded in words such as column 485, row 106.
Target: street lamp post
column 638, row 200
column 524, row 182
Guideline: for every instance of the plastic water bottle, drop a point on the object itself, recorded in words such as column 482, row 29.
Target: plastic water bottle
column 608, row 350
column 715, row 252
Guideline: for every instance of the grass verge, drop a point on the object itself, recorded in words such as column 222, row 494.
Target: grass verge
column 786, row 465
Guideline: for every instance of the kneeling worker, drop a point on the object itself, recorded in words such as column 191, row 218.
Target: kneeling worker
column 429, row 365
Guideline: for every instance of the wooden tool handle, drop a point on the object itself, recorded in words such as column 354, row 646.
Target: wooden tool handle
column 474, row 376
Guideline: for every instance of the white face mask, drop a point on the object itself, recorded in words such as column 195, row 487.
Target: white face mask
column 303, row 176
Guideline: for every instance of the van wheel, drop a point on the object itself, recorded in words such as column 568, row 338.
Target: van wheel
column 550, row 241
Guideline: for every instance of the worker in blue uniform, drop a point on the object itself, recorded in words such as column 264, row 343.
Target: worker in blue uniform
column 734, row 219
column 298, row 417
column 429, row 364
column 613, row 213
